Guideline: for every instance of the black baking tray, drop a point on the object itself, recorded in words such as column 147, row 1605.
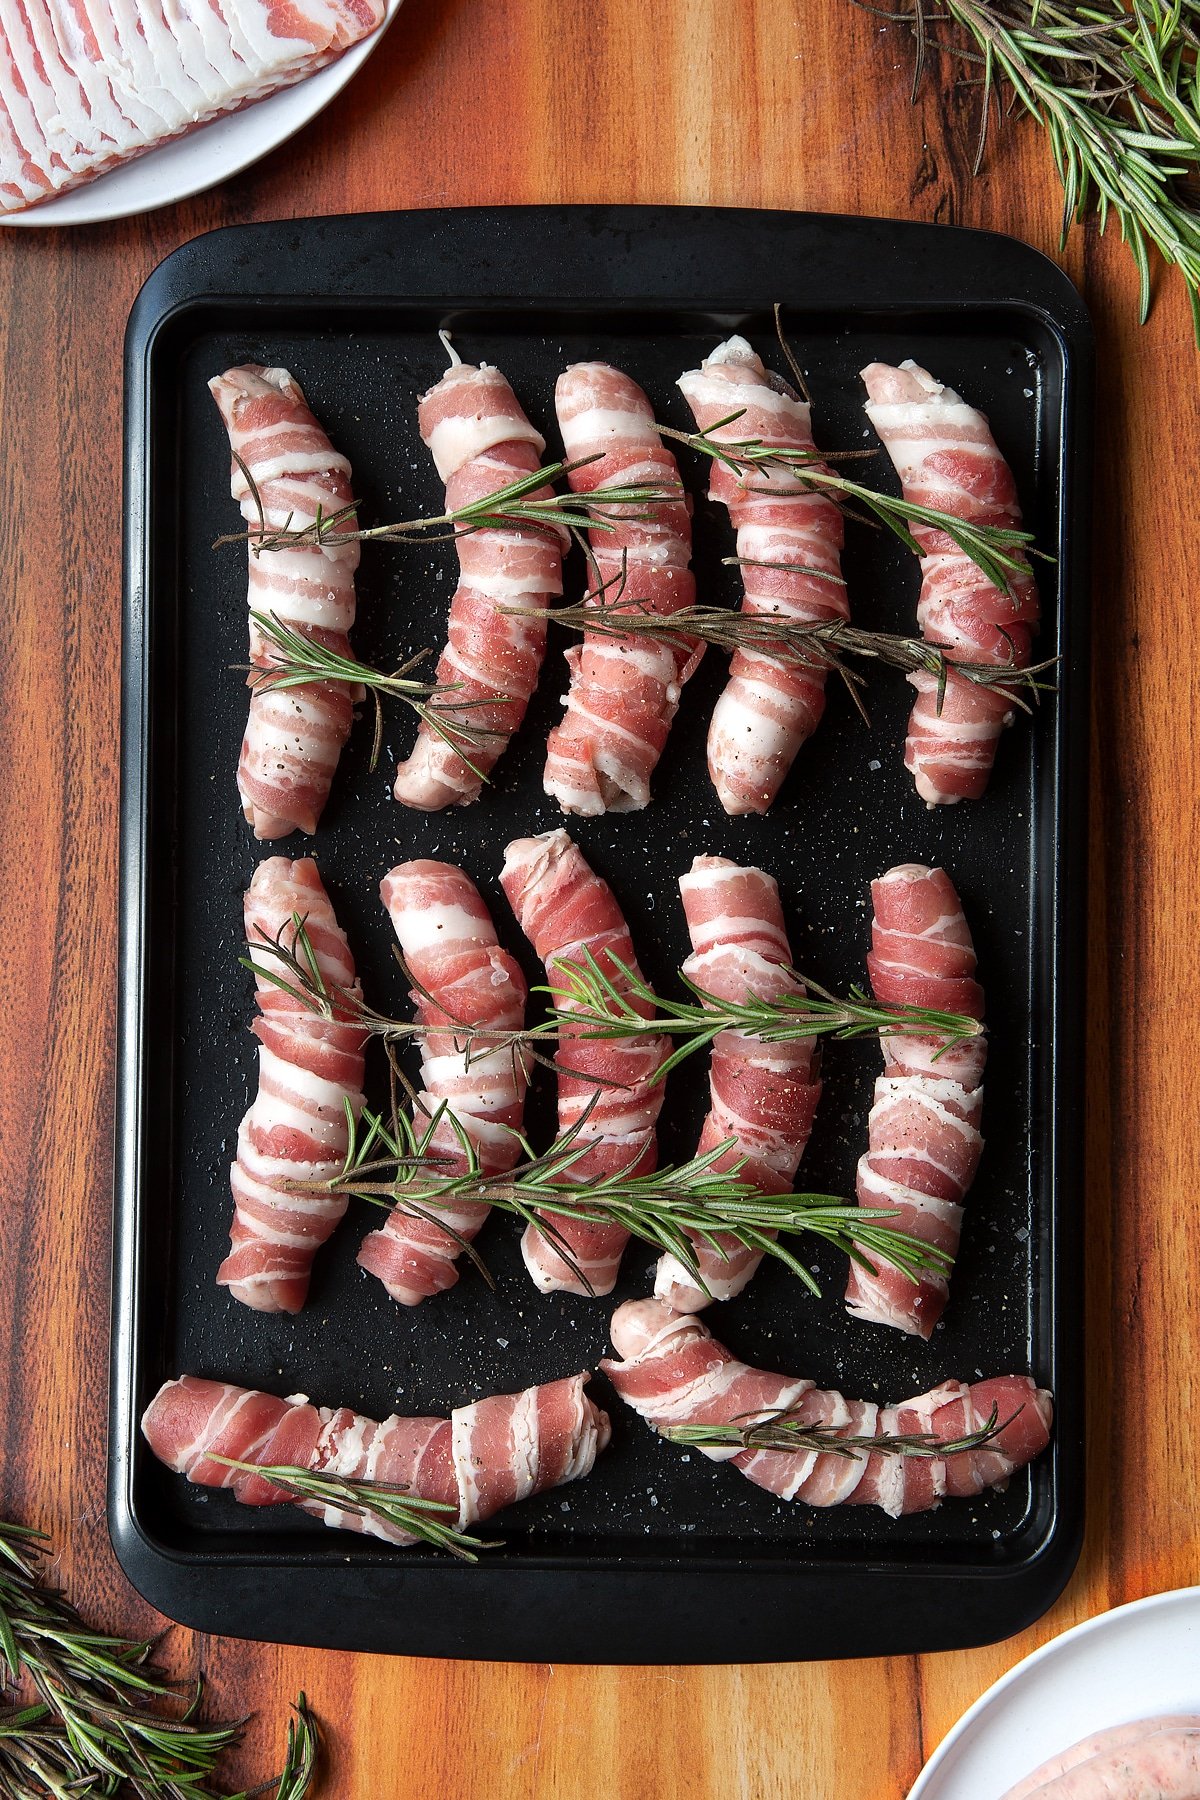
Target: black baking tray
column 657, row 1557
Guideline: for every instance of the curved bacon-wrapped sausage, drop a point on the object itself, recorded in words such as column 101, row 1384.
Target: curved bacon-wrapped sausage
column 624, row 692
column 308, row 1068
column 464, row 978
column 295, row 735
column 924, row 1124
column 790, row 542
column 673, row 1372
column 480, row 441
column 565, row 909
column 482, row 1458
column 946, row 457
column 763, row 1096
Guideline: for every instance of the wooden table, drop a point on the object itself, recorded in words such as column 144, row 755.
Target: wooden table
column 757, row 103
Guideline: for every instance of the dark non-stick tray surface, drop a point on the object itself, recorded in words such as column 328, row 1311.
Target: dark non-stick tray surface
column 658, row 1556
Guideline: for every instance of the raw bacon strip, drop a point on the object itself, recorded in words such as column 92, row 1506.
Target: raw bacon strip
column 465, row 978
column 763, row 1096
column 565, row 909
column 924, row 1125
column 482, row 1458
column 946, row 457
column 294, row 736
column 624, row 692
column 308, row 1068
column 791, row 543
column 480, row 441
column 673, row 1372
column 86, row 86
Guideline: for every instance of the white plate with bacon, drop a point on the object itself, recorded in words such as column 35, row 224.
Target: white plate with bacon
column 1138, row 1662
column 203, row 157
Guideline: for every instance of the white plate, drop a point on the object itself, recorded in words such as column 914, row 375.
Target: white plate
column 212, row 153
column 1132, row 1663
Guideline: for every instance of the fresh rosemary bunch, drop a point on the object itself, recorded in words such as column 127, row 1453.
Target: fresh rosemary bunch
column 797, row 642
column 301, row 660
column 104, row 1720
column 1114, row 85
column 392, row 1163
column 780, row 1432
column 587, row 1004
column 425, row 1520
column 516, row 503
column 998, row 550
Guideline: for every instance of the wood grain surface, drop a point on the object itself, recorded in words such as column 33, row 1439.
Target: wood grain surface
column 757, row 103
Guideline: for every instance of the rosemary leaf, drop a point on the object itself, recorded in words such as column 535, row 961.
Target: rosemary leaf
column 778, row 1431
column 391, row 1505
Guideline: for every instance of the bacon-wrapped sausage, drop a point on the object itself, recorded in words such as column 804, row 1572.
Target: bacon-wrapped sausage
column 308, row 1068
column 565, row 909
column 464, row 978
column 924, row 1125
column 480, row 441
column 295, row 735
column 790, row 543
column 673, row 1372
column 624, row 692
column 946, row 457
column 482, row 1458
column 762, row 1095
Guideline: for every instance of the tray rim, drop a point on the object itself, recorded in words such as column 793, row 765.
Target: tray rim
column 577, row 1612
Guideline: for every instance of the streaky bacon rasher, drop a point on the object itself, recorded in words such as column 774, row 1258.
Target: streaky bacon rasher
column 309, row 1067
column 624, row 692
column 762, row 1095
column 790, row 542
column 483, row 1457
column 464, row 978
column 673, row 1372
column 924, row 1125
column 946, row 457
column 566, row 910
column 480, row 440
column 294, row 736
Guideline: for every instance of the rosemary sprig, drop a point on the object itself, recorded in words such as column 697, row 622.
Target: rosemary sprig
column 586, row 992
column 301, row 660
column 105, row 1719
column 998, row 550
column 388, row 1163
column 425, row 1520
column 1114, row 86
column 780, row 1432
column 798, row 642
column 516, row 503
column 588, row 1004
column 301, row 1753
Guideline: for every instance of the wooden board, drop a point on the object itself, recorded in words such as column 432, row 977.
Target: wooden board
column 801, row 105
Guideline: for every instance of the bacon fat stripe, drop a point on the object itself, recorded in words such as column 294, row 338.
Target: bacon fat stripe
column 294, row 736
column 763, row 1096
column 946, row 457
column 791, row 543
column 480, row 441
column 565, row 909
column 464, row 978
column 924, row 1140
column 673, row 1372
column 308, row 1068
column 483, row 1457
column 624, row 692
